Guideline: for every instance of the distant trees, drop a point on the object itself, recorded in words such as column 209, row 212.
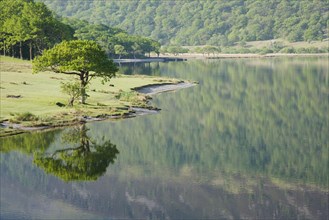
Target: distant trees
column 174, row 49
column 120, row 50
column 26, row 28
column 220, row 22
column 116, row 42
column 82, row 58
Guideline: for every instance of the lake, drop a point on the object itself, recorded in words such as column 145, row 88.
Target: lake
column 249, row 141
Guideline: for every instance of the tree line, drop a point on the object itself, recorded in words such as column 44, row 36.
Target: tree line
column 116, row 42
column 206, row 22
column 29, row 27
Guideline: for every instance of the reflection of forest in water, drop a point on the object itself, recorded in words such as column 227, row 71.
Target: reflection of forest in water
column 266, row 116
column 249, row 141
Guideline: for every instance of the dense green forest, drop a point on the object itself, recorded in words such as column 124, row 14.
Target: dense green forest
column 195, row 22
column 29, row 27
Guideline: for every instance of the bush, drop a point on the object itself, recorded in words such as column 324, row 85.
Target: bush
column 265, row 50
column 72, row 89
column 131, row 96
column 26, row 116
column 288, row 50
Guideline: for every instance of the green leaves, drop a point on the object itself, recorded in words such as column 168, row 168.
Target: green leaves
column 29, row 24
column 85, row 160
column 74, row 57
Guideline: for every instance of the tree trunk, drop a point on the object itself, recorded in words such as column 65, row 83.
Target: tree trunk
column 84, row 81
column 4, row 48
column 84, row 139
column 30, row 51
column 71, row 100
column 20, row 50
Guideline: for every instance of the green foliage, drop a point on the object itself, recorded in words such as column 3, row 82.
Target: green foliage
column 26, row 116
column 73, row 57
column 72, row 89
column 120, row 50
column 87, row 161
column 288, row 50
column 174, row 49
column 220, row 22
column 28, row 27
column 114, row 41
column 83, row 58
column 131, row 96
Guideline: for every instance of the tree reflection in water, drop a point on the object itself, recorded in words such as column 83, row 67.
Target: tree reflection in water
column 81, row 160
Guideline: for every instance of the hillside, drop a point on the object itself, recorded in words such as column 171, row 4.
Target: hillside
column 196, row 22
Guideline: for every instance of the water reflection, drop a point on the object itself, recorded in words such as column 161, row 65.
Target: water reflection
column 81, row 158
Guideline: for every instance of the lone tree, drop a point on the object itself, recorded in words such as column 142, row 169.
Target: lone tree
column 83, row 58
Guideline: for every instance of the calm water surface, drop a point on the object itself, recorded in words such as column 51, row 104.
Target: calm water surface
column 250, row 141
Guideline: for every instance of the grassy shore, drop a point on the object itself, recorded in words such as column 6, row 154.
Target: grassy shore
column 259, row 49
column 241, row 55
column 29, row 100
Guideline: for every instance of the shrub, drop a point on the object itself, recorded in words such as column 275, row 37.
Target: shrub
column 73, row 89
column 26, row 116
column 131, row 96
column 288, row 50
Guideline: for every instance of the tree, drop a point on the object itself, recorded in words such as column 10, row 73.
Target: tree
column 83, row 58
column 73, row 90
column 156, row 47
column 177, row 50
column 120, row 50
column 210, row 49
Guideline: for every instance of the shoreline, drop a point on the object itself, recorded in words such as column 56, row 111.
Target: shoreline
column 191, row 56
column 161, row 88
column 133, row 111
column 149, row 60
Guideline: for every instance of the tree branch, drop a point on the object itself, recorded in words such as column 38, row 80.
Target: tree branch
column 71, row 73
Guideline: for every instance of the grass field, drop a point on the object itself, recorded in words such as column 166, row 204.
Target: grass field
column 21, row 92
column 301, row 44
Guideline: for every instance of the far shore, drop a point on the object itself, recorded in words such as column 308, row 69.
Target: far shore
column 148, row 60
column 247, row 55
column 190, row 56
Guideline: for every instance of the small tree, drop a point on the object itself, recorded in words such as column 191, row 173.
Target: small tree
column 83, row 58
column 73, row 90
column 120, row 50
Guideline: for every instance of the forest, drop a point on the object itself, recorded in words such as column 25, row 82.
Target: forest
column 207, row 22
column 131, row 29
column 29, row 27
